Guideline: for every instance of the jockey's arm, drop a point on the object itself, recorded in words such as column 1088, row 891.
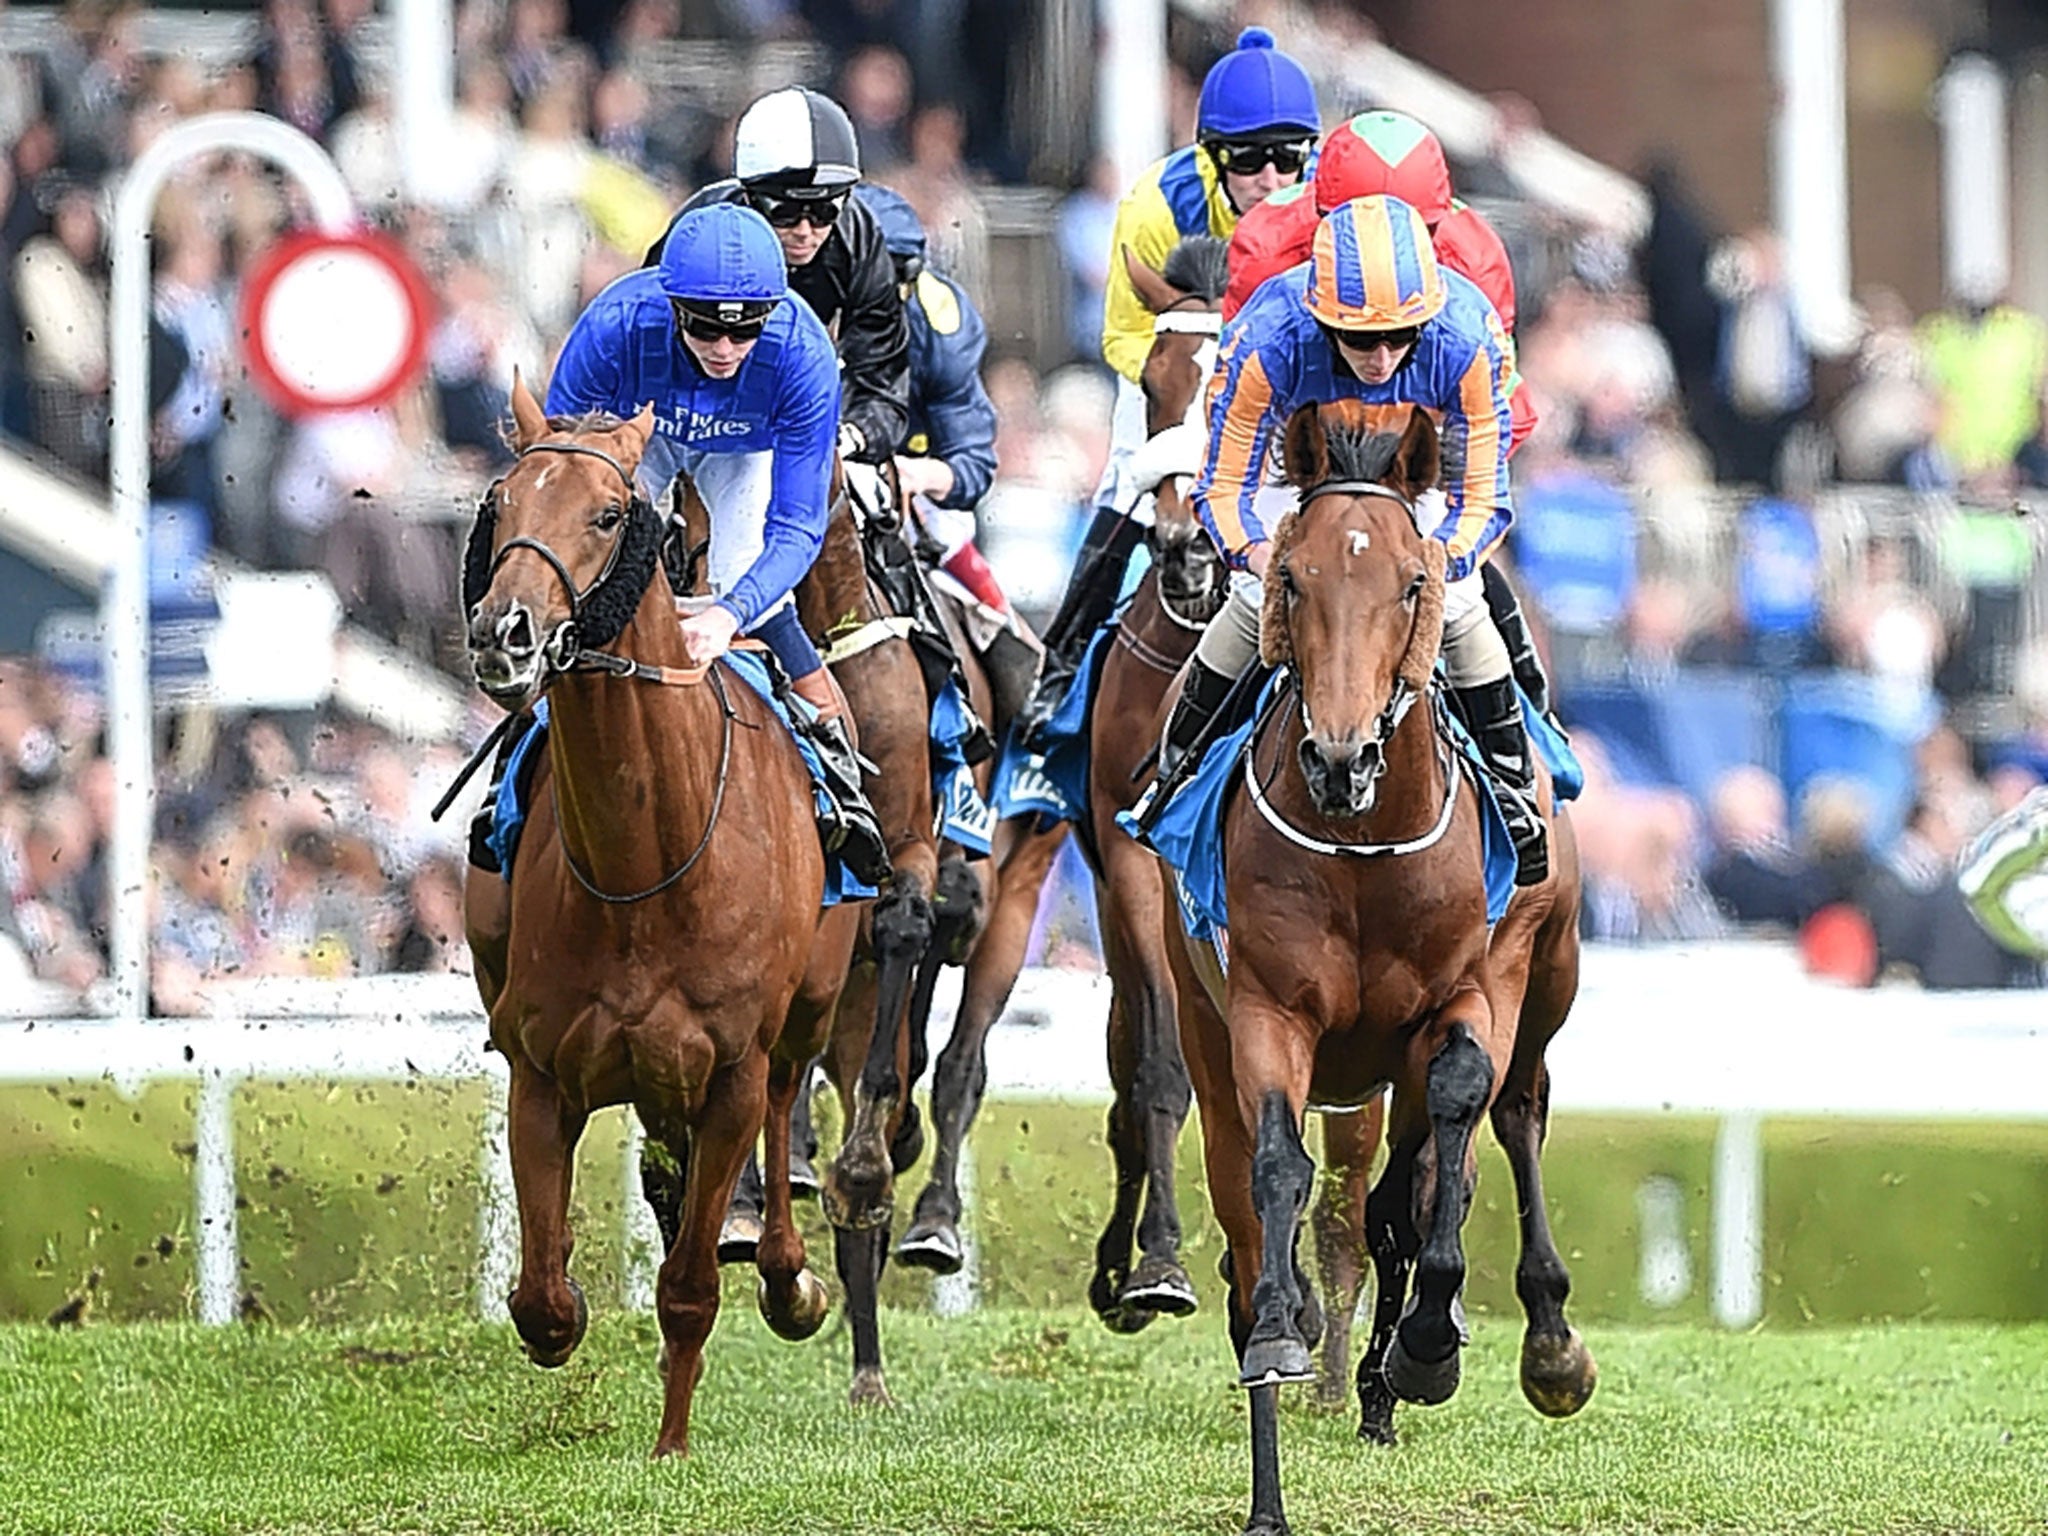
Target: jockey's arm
column 1144, row 225
column 804, row 428
column 1243, row 418
column 1477, row 433
column 961, row 417
column 874, row 346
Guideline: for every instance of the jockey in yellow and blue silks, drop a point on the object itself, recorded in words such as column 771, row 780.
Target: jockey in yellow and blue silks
column 1255, row 130
column 745, row 389
column 1370, row 316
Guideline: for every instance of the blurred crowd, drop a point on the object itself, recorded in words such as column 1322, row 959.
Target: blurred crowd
column 1679, row 508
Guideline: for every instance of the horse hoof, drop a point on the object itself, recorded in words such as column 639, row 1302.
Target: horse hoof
column 1558, row 1375
column 868, row 1391
column 1420, row 1381
column 740, row 1238
column 932, row 1245
column 1378, row 1431
column 549, row 1353
column 806, row 1312
column 1268, row 1528
column 1158, row 1285
column 1126, row 1320
column 1274, row 1362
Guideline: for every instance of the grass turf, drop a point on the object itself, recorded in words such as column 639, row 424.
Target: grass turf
column 1010, row 1420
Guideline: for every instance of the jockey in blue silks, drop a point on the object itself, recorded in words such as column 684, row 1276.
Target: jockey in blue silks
column 949, row 460
column 745, row 388
column 1371, row 316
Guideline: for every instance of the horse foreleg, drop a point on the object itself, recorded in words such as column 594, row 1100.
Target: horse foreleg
column 961, row 1076
column 858, row 1188
column 1557, row 1369
column 1422, row 1361
column 1392, row 1240
column 1282, row 1172
column 860, row 1256
column 547, row 1306
column 1337, row 1221
column 792, row 1298
column 1127, row 1161
column 686, row 1291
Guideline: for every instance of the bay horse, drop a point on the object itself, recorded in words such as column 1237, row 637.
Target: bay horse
column 1360, row 958
column 663, row 946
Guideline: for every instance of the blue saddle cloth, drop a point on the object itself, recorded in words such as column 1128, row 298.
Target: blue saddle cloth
column 964, row 816
column 1052, row 784
column 1189, row 834
column 515, row 791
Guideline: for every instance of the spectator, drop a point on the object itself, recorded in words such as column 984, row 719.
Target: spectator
column 1986, row 362
column 1755, row 876
column 876, row 89
column 60, row 288
column 1087, row 218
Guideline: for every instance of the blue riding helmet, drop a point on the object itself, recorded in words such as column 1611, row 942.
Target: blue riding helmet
column 1256, row 91
column 901, row 231
column 721, row 255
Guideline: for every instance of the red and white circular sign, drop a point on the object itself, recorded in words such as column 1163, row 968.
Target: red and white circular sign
column 334, row 322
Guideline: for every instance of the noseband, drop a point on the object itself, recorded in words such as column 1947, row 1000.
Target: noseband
column 565, row 637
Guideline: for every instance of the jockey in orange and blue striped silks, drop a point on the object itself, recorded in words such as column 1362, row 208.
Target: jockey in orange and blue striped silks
column 1370, row 316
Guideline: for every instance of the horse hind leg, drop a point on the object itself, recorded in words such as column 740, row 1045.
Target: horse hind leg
column 1392, row 1241
column 1422, row 1362
column 547, row 1306
column 1162, row 1097
column 860, row 1255
column 858, row 1187
column 1558, row 1372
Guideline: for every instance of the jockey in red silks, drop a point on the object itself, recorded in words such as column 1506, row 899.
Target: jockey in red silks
column 1377, row 153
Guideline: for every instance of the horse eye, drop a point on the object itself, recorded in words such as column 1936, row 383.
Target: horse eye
column 1287, row 583
column 1415, row 586
column 609, row 519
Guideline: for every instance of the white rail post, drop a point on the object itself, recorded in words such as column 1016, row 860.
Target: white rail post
column 642, row 1254
column 125, row 606
column 959, row 1293
column 497, row 1207
column 216, row 1237
column 1810, row 163
column 1739, row 1220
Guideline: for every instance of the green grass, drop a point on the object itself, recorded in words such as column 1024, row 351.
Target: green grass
column 1009, row 1421
column 360, row 1202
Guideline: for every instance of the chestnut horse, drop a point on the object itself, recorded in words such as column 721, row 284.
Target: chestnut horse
column 1360, row 958
column 652, row 956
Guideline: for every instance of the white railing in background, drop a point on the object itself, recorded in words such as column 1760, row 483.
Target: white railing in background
column 1735, row 1031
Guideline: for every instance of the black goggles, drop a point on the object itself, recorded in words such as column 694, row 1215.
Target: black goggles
column 788, row 212
column 1366, row 341
column 718, row 322
column 1288, row 157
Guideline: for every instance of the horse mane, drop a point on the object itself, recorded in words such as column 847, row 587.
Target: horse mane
column 1199, row 265
column 586, row 421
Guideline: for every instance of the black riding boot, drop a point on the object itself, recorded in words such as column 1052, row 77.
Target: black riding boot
column 482, row 824
column 1506, row 609
column 1012, row 664
column 1200, row 697
column 848, row 826
column 1495, row 714
column 1090, row 598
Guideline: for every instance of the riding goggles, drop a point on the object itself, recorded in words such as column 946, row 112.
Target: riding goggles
column 820, row 212
column 1366, row 341
column 717, row 320
column 1287, row 156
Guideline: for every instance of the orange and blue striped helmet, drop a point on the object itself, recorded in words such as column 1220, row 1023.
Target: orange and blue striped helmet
column 1373, row 267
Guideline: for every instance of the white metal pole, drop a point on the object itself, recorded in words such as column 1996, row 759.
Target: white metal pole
column 640, row 1264
column 216, row 1239
column 497, row 1206
column 1976, row 184
column 1810, row 163
column 124, row 614
column 1130, row 85
column 423, row 101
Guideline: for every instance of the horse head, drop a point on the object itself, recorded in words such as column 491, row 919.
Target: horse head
column 562, row 550
column 1354, row 594
column 1185, row 298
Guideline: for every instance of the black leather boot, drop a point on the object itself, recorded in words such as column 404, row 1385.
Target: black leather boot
column 482, row 824
column 1495, row 714
column 848, row 827
column 1090, row 598
column 1200, row 697
column 1012, row 664
column 1506, row 609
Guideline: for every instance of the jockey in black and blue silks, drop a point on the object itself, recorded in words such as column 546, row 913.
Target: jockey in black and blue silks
column 745, row 389
column 949, row 460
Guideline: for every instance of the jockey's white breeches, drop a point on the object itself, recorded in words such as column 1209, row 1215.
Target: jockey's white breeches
column 1474, row 652
column 735, row 488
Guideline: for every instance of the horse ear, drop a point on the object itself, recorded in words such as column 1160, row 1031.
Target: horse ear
column 529, row 421
column 1305, row 448
column 1419, row 457
column 639, row 429
column 1154, row 291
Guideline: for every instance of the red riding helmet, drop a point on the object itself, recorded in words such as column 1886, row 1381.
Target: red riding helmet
column 1384, row 152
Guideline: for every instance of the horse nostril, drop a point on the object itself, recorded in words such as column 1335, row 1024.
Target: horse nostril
column 515, row 632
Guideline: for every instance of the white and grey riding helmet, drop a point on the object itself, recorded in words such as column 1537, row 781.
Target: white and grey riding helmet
column 796, row 141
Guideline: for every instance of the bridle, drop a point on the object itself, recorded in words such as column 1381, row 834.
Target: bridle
column 1400, row 701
